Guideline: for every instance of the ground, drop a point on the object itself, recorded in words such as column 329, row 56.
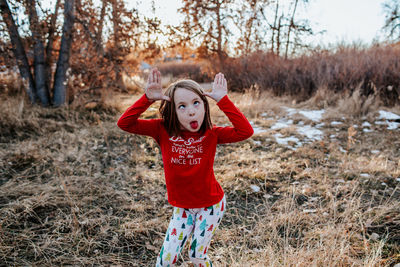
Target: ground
column 303, row 191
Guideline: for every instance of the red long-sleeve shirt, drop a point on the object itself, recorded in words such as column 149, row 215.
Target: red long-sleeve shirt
column 189, row 159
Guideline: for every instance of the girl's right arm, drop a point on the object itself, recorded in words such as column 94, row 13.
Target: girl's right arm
column 130, row 121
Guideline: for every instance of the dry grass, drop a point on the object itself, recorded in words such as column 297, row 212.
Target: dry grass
column 76, row 190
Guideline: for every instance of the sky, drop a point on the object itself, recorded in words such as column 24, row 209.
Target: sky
column 344, row 21
column 347, row 20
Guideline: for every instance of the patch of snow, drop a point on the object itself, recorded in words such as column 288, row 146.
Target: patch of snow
column 290, row 111
column 285, row 140
column 257, row 130
column 366, row 124
column 365, row 175
column 385, row 115
column 314, row 115
column 309, row 210
column 332, row 136
column 257, row 142
column 301, row 123
column 366, row 130
column 255, row 188
column 375, row 151
column 393, row 125
column 334, row 123
column 319, row 125
column 310, row 132
column 355, row 126
column 282, row 123
column 398, row 179
column 342, row 150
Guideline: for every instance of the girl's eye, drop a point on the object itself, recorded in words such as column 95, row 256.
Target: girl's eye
column 196, row 103
column 181, row 106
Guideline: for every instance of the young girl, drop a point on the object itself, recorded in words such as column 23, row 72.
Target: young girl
column 188, row 143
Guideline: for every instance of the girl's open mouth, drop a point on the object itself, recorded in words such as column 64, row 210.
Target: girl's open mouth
column 194, row 124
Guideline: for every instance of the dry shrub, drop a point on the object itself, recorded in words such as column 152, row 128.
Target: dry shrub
column 11, row 82
column 186, row 69
column 374, row 70
column 323, row 98
column 352, row 105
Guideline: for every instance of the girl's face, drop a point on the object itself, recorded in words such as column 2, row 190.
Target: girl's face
column 189, row 109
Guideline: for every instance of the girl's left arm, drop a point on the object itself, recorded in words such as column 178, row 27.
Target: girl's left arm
column 241, row 129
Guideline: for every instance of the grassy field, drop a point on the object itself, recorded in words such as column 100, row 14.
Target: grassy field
column 75, row 190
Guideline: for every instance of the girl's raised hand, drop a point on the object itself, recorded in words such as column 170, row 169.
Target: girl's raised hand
column 153, row 88
column 219, row 88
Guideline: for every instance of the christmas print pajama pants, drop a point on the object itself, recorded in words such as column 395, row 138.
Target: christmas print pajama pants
column 202, row 223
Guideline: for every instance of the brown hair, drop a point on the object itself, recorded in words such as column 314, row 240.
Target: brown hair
column 168, row 112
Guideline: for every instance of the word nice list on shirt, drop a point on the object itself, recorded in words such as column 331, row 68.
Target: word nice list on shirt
column 185, row 152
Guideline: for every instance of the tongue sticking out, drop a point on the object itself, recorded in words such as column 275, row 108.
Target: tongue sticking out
column 194, row 125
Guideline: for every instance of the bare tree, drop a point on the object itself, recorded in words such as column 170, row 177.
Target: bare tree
column 38, row 81
column 298, row 28
column 249, row 24
column 18, row 50
column 64, row 54
column 392, row 18
column 271, row 25
column 40, row 74
column 206, row 20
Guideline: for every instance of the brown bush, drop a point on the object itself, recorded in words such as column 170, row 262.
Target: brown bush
column 185, row 69
column 376, row 70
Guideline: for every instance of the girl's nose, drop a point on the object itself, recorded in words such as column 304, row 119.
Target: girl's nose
column 191, row 112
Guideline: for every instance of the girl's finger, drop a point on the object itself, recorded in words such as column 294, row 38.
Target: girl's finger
column 154, row 75
column 221, row 79
column 216, row 80
column 158, row 77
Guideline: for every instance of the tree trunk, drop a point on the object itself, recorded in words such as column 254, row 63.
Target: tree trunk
column 99, row 33
column 38, row 52
column 291, row 25
column 49, row 47
column 274, row 28
column 116, row 20
column 18, row 50
column 63, row 57
column 219, row 36
column 278, row 36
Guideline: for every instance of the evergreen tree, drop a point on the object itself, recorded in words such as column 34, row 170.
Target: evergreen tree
column 190, row 220
column 203, row 225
